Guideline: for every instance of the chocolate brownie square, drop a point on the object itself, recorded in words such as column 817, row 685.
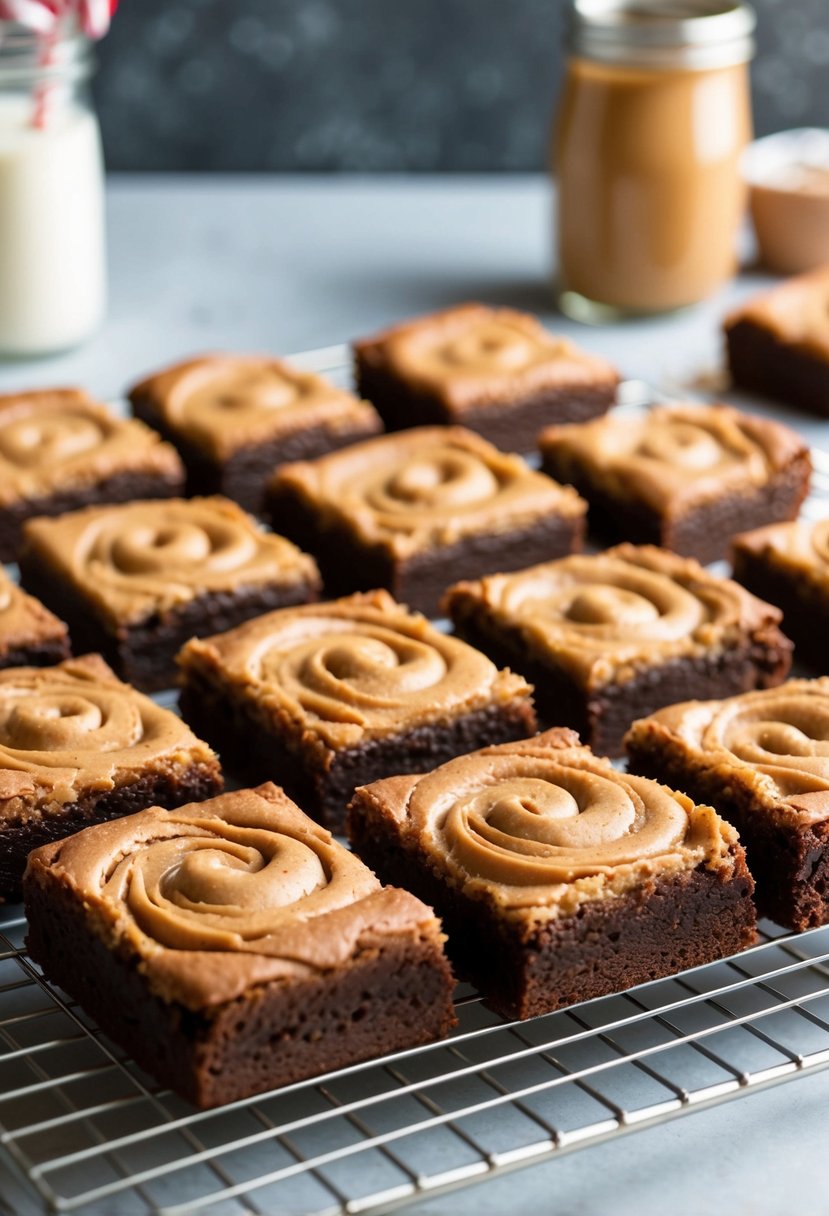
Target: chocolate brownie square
column 558, row 878
column 78, row 747
column 688, row 477
column 778, row 343
column 60, row 450
column 762, row 759
column 327, row 697
column 412, row 512
column 235, row 418
column 493, row 370
column 611, row 637
column 233, row 946
column 136, row 581
column 788, row 565
column 30, row 635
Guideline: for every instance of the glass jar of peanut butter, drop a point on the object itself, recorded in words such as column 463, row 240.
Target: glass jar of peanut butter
column 651, row 127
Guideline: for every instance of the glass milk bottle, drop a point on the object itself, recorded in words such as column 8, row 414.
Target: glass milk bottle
column 52, row 248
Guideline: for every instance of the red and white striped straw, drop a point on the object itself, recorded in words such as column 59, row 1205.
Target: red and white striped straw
column 42, row 16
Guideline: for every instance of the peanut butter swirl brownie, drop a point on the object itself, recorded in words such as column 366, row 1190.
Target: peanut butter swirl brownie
column 763, row 760
column 136, row 581
column 329, row 696
column 413, row 511
column 603, row 636
column 493, row 370
column 788, row 565
column 687, row 477
column 30, row 635
column 558, row 879
column 76, row 747
column 60, row 450
column 234, row 946
column 235, row 418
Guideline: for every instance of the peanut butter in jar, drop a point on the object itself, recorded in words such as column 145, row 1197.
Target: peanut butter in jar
column 653, row 121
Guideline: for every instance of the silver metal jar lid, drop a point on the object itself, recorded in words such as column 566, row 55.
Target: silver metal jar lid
column 681, row 34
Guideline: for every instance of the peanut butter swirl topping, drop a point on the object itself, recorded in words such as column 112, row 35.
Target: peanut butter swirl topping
column 354, row 669
column 673, row 455
column 797, row 310
column 428, row 485
column 237, row 890
column 471, row 354
column 599, row 615
column 776, row 740
column 67, row 729
column 224, row 402
column 545, row 824
column 142, row 556
column 61, row 437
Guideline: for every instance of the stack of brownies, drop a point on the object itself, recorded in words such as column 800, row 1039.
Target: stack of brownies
column 274, row 546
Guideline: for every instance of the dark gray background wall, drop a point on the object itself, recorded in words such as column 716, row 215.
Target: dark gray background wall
column 380, row 84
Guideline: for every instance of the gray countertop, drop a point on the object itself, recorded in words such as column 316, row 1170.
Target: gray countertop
column 289, row 264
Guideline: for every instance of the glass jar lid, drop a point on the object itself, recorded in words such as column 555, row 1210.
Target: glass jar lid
column 669, row 34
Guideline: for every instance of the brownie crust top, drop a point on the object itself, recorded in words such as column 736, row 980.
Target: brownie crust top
column 222, row 402
column 355, row 669
column 137, row 558
column 217, row 896
column 427, row 486
column 796, row 312
column 61, row 439
column 474, row 355
column 773, row 743
column 801, row 547
column 76, row 729
column 604, row 616
column 674, row 456
column 540, row 826
column 23, row 619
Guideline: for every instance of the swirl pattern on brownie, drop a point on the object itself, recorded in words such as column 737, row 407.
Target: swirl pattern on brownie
column 622, row 604
column 526, row 820
column 78, row 716
column 780, row 733
column 357, row 667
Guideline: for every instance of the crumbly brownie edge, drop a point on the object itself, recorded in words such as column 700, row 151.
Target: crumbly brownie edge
column 255, row 751
column 512, row 426
column 601, row 716
column 169, row 789
column 667, row 925
column 36, row 654
column 761, row 363
column 790, row 864
column 805, row 607
column 121, row 487
column 244, row 476
column 386, row 1000
column 706, row 530
column 347, row 565
column 144, row 653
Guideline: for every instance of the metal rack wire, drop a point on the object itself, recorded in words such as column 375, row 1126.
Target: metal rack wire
column 88, row 1132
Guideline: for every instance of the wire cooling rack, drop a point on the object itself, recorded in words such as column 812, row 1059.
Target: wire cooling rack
column 88, row 1132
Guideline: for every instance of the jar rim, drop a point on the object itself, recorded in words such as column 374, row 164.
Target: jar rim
column 28, row 56
column 689, row 34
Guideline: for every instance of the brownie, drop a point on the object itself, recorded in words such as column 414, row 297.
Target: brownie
column 233, row 946
column 778, row 343
column 558, row 879
column 136, row 581
column 78, row 747
column 610, row 637
column 30, row 635
column 414, row 511
column 762, row 759
column 331, row 696
column 788, row 565
column 235, row 418
column 60, row 450
column 495, row 371
column 688, row 477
